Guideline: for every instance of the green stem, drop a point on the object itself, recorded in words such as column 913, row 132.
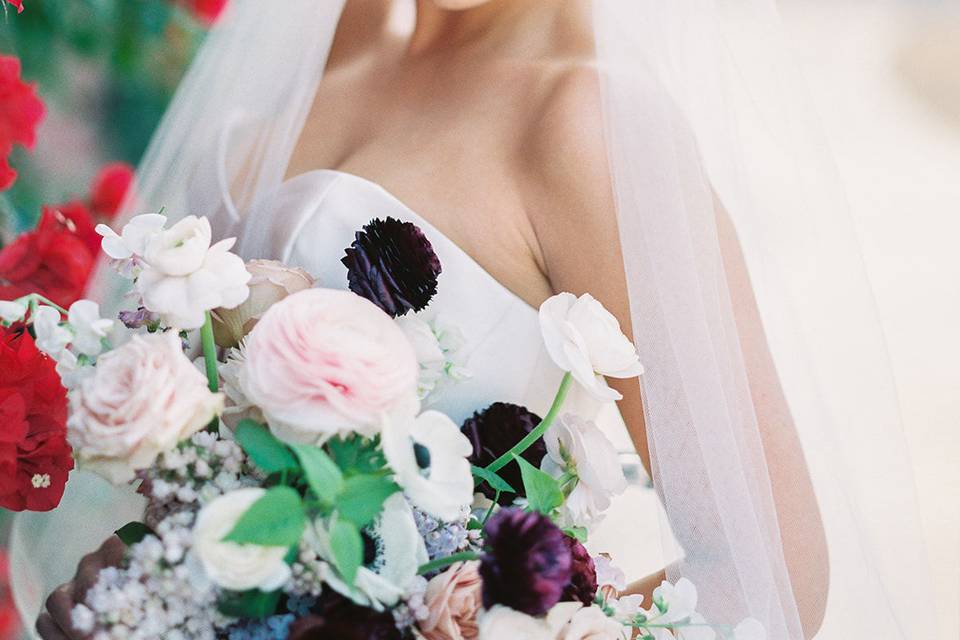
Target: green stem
column 539, row 430
column 440, row 563
column 49, row 302
column 210, row 353
column 489, row 512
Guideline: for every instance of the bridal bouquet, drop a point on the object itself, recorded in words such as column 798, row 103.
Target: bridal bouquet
column 296, row 486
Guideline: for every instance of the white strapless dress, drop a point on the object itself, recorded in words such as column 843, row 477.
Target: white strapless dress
column 312, row 219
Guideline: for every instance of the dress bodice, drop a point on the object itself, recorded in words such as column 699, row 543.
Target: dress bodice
column 313, row 217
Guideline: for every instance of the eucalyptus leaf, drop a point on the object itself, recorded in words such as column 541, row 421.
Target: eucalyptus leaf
column 277, row 519
column 269, row 454
column 323, row 475
column 362, row 498
column 347, row 547
column 543, row 491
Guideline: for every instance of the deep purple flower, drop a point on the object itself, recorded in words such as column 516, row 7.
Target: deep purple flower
column 492, row 432
column 337, row 617
column 527, row 564
column 583, row 578
column 392, row 264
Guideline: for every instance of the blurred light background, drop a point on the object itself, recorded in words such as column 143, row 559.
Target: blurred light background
column 884, row 74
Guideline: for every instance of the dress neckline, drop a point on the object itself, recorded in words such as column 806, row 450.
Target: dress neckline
column 420, row 221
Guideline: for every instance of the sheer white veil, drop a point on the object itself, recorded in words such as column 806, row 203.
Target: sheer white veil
column 700, row 107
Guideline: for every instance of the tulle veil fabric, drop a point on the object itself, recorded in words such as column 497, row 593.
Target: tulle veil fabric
column 700, row 107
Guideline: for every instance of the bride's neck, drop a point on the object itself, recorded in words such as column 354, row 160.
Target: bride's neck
column 438, row 29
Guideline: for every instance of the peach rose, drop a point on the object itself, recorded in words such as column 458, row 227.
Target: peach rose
column 323, row 362
column 573, row 621
column 270, row 282
column 142, row 399
column 454, row 600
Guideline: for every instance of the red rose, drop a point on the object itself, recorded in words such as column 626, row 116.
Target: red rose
column 110, row 187
column 20, row 113
column 52, row 260
column 19, row 5
column 35, row 458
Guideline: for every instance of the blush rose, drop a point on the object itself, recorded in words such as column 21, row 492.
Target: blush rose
column 454, row 599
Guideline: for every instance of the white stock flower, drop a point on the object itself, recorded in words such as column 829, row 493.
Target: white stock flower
column 573, row 621
column 183, row 276
column 677, row 601
column 11, row 311
column 52, row 338
column 578, row 447
column 503, row 622
column 401, row 551
column 72, row 373
column 428, row 454
column 609, row 574
column 625, row 608
column 89, row 329
column 132, row 241
column 238, row 567
column 437, row 349
column 585, row 339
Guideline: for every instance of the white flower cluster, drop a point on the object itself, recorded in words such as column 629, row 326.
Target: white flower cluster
column 159, row 593
column 178, row 272
column 439, row 350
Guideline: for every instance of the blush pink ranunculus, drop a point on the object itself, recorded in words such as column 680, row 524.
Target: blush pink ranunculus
column 143, row 399
column 323, row 362
column 454, row 599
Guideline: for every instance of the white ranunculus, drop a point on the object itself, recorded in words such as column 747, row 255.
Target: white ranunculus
column 503, row 622
column 89, row 329
column 181, row 249
column 400, row 549
column 437, row 348
column 52, row 337
column 181, row 299
column 238, row 567
column 573, row 621
column 428, row 454
column 585, row 339
column 12, row 311
column 133, row 238
column 576, row 446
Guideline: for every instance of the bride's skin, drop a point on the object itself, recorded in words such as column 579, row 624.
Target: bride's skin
column 486, row 121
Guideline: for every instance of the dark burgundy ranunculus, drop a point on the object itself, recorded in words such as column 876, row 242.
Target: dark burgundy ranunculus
column 493, row 432
column 392, row 264
column 336, row 617
column 583, row 578
column 527, row 564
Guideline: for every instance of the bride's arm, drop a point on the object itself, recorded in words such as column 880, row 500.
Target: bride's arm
column 572, row 210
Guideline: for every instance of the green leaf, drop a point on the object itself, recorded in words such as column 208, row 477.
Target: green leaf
column 323, row 475
column 362, row 498
column 496, row 482
column 356, row 455
column 275, row 520
column 347, row 547
column 133, row 532
column 543, row 492
column 577, row 533
column 249, row 604
column 269, row 454
column 474, row 525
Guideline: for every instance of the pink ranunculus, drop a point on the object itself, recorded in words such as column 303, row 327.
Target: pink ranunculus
column 454, row 598
column 323, row 362
column 144, row 398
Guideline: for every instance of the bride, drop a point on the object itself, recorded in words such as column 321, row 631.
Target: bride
column 601, row 147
